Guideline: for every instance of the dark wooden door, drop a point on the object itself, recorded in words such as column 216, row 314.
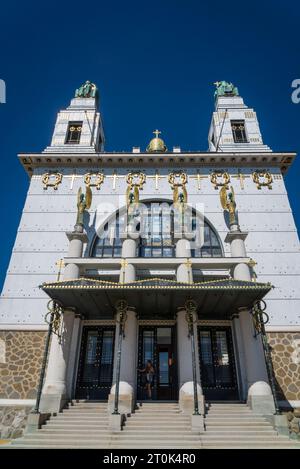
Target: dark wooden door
column 218, row 375
column 95, row 370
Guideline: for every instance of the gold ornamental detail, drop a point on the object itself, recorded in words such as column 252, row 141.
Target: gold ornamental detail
column 94, row 180
column 135, row 182
column 262, row 179
column 220, row 179
column 178, row 182
column 51, row 180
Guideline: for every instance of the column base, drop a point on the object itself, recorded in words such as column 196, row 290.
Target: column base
column 261, row 404
column 260, row 398
column 198, row 423
column 115, row 422
column 53, row 403
column 35, row 422
column 186, row 399
column 126, row 401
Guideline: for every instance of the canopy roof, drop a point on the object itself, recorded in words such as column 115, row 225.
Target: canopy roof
column 156, row 298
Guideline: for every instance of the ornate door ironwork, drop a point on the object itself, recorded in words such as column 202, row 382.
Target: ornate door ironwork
column 216, row 357
column 158, row 344
column 95, row 370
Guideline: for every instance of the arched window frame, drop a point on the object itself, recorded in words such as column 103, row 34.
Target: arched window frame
column 114, row 251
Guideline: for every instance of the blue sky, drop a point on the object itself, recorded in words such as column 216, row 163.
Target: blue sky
column 155, row 63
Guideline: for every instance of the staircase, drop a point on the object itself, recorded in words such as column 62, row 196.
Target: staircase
column 158, row 426
column 231, row 425
column 82, row 425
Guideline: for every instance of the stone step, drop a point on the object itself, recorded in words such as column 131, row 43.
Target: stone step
column 230, row 412
column 63, row 437
column 73, row 418
column 98, row 446
column 157, row 431
column 83, row 413
column 235, row 417
column 251, row 446
column 132, row 427
column 228, row 438
column 223, row 424
column 69, row 425
column 157, row 411
column 240, row 431
column 249, row 443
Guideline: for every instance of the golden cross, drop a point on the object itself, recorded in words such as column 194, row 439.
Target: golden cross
column 188, row 265
column 157, row 178
column 73, row 177
column 59, row 264
column 241, row 178
column 114, row 177
column 156, row 133
column 124, row 264
column 198, row 177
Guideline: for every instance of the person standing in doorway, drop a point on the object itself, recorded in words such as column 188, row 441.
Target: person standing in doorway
column 148, row 377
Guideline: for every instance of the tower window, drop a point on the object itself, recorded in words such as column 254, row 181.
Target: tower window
column 74, row 132
column 239, row 131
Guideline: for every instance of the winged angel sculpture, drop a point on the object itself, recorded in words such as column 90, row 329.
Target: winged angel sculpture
column 83, row 203
column 228, row 204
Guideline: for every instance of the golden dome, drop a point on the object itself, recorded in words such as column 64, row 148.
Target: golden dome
column 156, row 145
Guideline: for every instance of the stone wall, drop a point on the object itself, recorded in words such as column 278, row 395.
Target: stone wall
column 285, row 350
column 13, row 421
column 20, row 363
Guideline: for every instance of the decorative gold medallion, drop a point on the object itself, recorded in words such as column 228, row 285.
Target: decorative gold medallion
column 135, row 182
column 178, row 182
column 220, row 179
column 51, row 180
column 262, row 179
column 93, row 180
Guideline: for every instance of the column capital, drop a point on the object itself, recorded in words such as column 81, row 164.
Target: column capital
column 77, row 235
column 231, row 235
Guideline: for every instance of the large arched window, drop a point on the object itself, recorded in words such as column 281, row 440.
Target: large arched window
column 158, row 239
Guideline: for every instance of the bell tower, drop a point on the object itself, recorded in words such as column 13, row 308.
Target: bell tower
column 78, row 128
column 234, row 127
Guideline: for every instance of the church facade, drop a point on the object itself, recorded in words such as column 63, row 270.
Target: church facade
column 189, row 260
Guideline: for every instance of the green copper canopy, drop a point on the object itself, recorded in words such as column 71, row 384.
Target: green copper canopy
column 156, row 298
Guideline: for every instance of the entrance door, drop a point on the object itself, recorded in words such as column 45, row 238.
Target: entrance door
column 95, row 370
column 158, row 344
column 218, row 376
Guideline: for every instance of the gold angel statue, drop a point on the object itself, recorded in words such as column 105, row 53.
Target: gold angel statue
column 228, row 203
column 83, row 203
column 180, row 197
column 132, row 195
column 178, row 184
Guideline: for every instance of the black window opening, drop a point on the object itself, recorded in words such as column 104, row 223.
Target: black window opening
column 74, row 132
column 239, row 131
column 158, row 240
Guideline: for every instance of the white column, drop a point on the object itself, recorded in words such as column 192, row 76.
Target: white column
column 184, row 271
column 184, row 354
column 128, row 369
column 127, row 273
column 55, row 395
column 74, row 349
column 258, row 389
